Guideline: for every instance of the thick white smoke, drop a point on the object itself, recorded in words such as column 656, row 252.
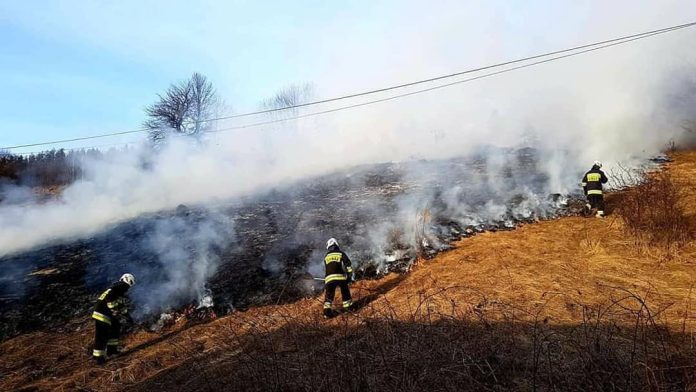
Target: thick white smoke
column 602, row 111
column 615, row 105
column 187, row 255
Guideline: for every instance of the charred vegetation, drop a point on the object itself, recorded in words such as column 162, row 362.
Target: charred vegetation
column 263, row 250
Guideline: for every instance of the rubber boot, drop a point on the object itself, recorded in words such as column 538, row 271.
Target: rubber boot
column 348, row 306
column 328, row 313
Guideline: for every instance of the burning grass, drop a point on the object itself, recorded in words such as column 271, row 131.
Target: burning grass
column 567, row 304
column 247, row 251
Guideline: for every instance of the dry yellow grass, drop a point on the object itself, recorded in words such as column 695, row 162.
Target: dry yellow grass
column 554, row 269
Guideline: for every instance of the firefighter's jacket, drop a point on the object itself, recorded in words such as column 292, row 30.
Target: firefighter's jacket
column 111, row 302
column 593, row 180
column 337, row 265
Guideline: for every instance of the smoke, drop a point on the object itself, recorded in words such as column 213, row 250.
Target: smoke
column 618, row 105
column 187, row 254
column 12, row 194
column 679, row 104
column 173, row 256
column 435, row 202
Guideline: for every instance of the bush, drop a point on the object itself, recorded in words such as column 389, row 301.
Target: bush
column 653, row 211
column 444, row 344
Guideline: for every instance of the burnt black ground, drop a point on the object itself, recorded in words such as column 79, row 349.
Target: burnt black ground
column 277, row 236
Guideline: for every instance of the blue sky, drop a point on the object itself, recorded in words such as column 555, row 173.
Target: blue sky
column 71, row 69
column 76, row 68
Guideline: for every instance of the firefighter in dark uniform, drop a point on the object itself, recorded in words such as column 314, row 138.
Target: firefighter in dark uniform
column 111, row 304
column 339, row 273
column 592, row 185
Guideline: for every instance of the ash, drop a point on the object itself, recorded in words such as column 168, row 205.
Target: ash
column 209, row 260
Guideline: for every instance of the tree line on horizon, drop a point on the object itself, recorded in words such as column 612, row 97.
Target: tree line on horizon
column 46, row 168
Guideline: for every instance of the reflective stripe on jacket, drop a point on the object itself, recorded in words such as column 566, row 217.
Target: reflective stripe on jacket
column 592, row 181
column 337, row 265
column 111, row 301
column 101, row 317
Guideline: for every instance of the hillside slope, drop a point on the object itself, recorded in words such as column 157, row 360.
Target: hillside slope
column 572, row 303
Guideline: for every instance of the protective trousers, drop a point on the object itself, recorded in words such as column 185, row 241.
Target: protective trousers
column 596, row 201
column 106, row 338
column 331, row 292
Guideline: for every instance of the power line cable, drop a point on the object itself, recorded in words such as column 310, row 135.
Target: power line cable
column 427, row 89
column 666, row 29
column 610, row 42
column 77, row 139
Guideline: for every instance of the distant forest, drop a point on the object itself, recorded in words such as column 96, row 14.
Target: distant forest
column 48, row 168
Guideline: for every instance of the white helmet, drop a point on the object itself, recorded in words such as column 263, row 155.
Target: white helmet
column 598, row 164
column 128, row 279
column 331, row 242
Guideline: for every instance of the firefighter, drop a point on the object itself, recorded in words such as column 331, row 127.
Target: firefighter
column 339, row 273
column 111, row 304
column 592, row 185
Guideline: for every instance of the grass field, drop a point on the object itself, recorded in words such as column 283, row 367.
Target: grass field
column 569, row 304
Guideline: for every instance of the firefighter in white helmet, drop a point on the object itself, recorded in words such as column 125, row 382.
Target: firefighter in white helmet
column 111, row 304
column 339, row 272
column 592, row 183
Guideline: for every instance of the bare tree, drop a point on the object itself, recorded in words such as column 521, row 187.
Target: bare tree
column 288, row 97
column 185, row 108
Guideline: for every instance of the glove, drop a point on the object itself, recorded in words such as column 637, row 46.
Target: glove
column 350, row 274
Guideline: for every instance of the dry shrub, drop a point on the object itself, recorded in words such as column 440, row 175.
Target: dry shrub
column 652, row 211
column 442, row 344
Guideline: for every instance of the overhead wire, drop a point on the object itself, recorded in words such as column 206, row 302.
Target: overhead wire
column 428, row 89
column 451, row 75
column 576, row 51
